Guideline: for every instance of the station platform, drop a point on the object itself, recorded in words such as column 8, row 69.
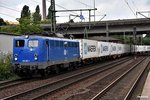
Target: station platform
column 146, row 90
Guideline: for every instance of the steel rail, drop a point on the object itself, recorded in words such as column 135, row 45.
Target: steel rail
column 127, row 97
column 15, row 83
column 101, row 93
column 60, row 83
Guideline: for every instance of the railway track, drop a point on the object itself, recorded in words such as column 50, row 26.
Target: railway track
column 14, row 83
column 135, row 84
column 50, row 87
column 90, row 87
column 7, row 82
column 107, row 92
column 17, row 87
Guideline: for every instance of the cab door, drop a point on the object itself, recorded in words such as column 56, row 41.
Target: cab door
column 47, row 50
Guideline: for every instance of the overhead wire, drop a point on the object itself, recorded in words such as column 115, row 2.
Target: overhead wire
column 7, row 15
column 9, row 8
column 129, row 7
column 91, row 7
column 134, row 5
column 65, row 9
column 36, row 1
column 56, row 5
column 84, row 3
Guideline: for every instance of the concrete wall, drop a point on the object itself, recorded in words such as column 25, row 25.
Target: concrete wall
column 6, row 44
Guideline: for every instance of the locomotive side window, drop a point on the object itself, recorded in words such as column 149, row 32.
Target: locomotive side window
column 75, row 44
column 61, row 43
column 57, row 44
column 19, row 43
column 32, row 43
column 69, row 44
column 52, row 43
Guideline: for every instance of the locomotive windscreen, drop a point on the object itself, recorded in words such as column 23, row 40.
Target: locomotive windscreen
column 33, row 43
column 19, row 43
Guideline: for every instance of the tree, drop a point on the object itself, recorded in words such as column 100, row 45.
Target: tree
column 49, row 16
column 146, row 40
column 28, row 26
column 10, row 29
column 37, row 15
column 2, row 22
column 25, row 12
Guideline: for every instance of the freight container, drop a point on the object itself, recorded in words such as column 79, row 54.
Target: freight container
column 88, row 48
column 104, row 48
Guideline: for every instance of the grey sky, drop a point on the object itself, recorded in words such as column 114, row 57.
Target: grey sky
column 114, row 9
column 148, row 2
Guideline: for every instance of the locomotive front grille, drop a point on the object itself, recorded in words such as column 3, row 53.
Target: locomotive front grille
column 25, row 67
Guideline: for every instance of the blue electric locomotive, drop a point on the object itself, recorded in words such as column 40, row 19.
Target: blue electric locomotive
column 38, row 54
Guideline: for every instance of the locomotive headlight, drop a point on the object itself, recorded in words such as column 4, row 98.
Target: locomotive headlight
column 15, row 57
column 35, row 57
column 27, row 36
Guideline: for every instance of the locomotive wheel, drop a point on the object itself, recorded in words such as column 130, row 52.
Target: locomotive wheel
column 44, row 73
column 57, row 69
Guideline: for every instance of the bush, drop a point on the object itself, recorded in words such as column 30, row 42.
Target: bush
column 5, row 69
column 10, row 29
column 26, row 26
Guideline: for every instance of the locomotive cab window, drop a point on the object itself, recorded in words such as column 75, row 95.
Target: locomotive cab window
column 32, row 43
column 19, row 43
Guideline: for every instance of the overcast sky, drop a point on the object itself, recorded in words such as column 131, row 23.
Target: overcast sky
column 114, row 9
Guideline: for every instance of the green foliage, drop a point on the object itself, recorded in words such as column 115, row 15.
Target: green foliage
column 27, row 26
column 5, row 69
column 37, row 9
column 127, row 39
column 25, row 12
column 46, row 21
column 2, row 22
column 10, row 29
column 49, row 16
column 37, row 15
column 146, row 40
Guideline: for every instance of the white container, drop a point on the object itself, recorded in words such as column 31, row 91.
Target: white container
column 113, row 48
column 120, row 48
column 88, row 48
column 127, row 48
column 104, row 48
column 147, row 48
